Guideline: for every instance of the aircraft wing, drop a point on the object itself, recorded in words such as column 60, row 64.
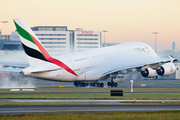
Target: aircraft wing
column 153, row 65
column 15, row 64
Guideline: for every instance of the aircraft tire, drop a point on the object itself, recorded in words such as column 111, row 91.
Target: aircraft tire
column 81, row 84
column 87, row 84
column 108, row 83
column 76, row 83
column 98, row 84
column 101, row 84
column 84, row 85
column 93, row 84
column 112, row 84
column 115, row 84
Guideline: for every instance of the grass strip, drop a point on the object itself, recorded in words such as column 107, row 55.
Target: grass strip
column 155, row 115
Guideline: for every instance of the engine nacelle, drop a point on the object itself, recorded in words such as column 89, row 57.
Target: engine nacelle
column 166, row 69
column 149, row 72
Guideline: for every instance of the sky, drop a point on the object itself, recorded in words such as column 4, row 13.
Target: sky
column 125, row 20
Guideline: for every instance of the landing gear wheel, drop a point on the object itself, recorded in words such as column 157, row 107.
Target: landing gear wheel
column 109, row 84
column 80, row 84
column 101, row 84
column 76, row 83
column 112, row 84
column 115, row 84
column 84, row 84
column 92, row 84
column 87, row 84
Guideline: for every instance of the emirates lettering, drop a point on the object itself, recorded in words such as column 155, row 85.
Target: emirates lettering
column 87, row 32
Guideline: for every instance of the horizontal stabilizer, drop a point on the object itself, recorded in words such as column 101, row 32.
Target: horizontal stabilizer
column 47, row 70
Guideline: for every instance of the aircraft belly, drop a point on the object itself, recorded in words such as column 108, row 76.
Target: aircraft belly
column 81, row 77
column 93, row 75
column 61, row 75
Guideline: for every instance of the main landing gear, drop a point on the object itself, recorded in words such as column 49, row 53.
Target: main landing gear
column 96, row 84
column 112, row 83
column 85, row 84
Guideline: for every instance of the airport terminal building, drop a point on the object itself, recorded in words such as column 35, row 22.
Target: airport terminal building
column 58, row 40
column 85, row 40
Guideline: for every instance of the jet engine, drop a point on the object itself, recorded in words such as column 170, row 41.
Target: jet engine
column 149, row 72
column 166, row 69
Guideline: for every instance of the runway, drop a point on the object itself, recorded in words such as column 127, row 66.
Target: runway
column 25, row 109
column 84, row 100
column 39, row 83
column 30, row 93
column 121, row 84
column 121, row 105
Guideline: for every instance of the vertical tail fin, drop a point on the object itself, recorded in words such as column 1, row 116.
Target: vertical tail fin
column 34, row 50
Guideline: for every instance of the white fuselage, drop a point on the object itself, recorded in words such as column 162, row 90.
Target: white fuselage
column 97, row 63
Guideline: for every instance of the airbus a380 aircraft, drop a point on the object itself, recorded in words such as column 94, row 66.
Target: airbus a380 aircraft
column 92, row 65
